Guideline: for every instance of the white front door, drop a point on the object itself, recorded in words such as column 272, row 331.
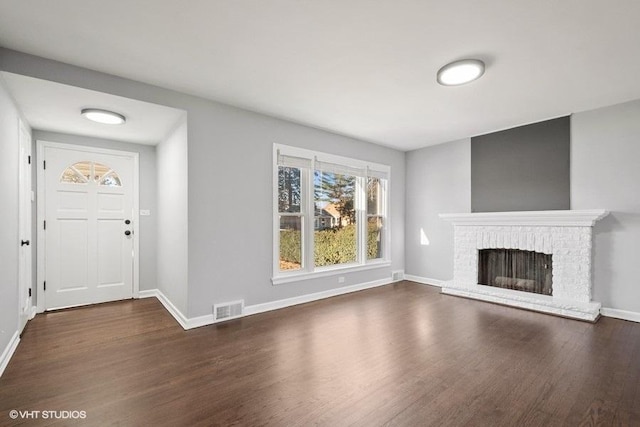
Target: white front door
column 89, row 230
column 24, row 226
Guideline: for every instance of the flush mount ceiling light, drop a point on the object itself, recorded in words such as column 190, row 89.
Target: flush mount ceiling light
column 460, row 72
column 103, row 116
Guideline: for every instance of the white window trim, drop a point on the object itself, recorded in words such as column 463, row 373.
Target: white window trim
column 307, row 208
column 329, row 271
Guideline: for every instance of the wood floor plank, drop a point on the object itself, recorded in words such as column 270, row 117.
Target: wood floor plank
column 401, row 354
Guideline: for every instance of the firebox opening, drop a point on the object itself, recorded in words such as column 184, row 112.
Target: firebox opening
column 526, row 271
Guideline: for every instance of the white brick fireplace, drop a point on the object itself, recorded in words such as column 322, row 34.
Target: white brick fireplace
column 566, row 235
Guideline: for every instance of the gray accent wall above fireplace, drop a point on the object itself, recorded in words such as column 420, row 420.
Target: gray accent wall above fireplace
column 522, row 169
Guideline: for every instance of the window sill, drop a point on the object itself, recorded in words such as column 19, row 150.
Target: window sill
column 297, row 277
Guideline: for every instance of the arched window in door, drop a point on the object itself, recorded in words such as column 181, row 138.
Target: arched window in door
column 90, row 172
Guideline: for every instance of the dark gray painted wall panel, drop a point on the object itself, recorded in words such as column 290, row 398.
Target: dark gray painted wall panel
column 522, row 169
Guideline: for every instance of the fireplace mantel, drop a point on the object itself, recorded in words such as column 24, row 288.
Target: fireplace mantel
column 571, row 218
column 566, row 235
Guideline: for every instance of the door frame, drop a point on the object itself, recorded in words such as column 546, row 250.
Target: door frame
column 25, row 195
column 41, row 251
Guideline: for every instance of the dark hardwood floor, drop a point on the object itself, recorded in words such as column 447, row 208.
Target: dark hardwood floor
column 401, row 354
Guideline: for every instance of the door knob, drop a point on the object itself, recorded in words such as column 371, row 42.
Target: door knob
column 127, row 233
column 24, row 242
column 126, row 221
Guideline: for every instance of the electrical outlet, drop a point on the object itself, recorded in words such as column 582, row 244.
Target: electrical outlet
column 341, row 279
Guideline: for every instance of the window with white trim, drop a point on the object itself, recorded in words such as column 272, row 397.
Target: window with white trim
column 330, row 213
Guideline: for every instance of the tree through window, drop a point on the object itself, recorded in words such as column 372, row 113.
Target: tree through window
column 331, row 211
column 335, row 218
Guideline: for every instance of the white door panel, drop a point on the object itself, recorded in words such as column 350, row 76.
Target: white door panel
column 110, row 204
column 110, row 262
column 72, row 255
column 73, row 201
column 88, row 197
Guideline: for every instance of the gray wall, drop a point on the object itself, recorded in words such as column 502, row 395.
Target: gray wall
column 233, row 255
column 9, row 151
column 173, row 228
column 438, row 181
column 521, row 169
column 605, row 174
column 148, row 192
column 230, row 175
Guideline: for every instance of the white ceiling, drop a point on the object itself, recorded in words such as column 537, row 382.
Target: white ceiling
column 56, row 107
column 358, row 67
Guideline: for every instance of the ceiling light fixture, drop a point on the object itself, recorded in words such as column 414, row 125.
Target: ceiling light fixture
column 103, row 116
column 460, row 72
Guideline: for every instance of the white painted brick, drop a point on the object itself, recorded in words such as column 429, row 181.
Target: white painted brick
column 570, row 247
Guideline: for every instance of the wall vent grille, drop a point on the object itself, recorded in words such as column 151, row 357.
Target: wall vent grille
column 397, row 275
column 228, row 310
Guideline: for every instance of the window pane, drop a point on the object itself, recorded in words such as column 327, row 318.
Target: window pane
column 374, row 237
column 99, row 170
column 84, row 168
column 334, row 219
column 111, row 180
column 72, row 176
column 82, row 173
column 374, row 196
column 290, row 243
column 289, row 186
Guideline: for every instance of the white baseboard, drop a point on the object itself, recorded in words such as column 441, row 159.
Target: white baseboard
column 196, row 322
column 183, row 320
column 288, row 302
column 150, row 293
column 302, row 299
column 424, row 280
column 172, row 309
column 207, row 319
column 8, row 352
column 632, row 316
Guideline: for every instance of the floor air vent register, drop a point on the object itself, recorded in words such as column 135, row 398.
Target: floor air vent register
column 228, row 310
